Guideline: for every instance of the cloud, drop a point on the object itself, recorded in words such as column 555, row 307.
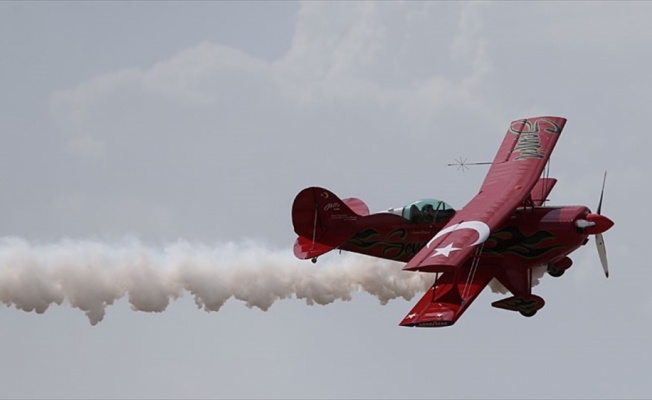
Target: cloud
column 367, row 58
column 214, row 121
column 86, row 146
column 430, row 80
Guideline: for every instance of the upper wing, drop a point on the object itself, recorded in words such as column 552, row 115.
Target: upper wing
column 515, row 170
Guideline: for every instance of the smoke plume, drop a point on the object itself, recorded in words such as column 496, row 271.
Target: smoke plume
column 91, row 275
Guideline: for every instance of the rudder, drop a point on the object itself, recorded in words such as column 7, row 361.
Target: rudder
column 323, row 220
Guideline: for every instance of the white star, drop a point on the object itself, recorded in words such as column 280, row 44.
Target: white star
column 445, row 251
column 410, row 316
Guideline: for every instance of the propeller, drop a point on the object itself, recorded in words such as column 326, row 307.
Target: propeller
column 602, row 252
column 599, row 240
column 596, row 224
column 604, row 179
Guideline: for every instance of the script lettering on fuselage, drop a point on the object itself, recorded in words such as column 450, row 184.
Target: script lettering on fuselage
column 397, row 249
column 393, row 245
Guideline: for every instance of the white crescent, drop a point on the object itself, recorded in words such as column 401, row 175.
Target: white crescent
column 478, row 226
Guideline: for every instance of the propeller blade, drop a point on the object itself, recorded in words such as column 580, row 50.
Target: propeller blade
column 604, row 179
column 602, row 251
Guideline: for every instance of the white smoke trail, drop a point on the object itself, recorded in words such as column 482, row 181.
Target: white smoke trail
column 92, row 275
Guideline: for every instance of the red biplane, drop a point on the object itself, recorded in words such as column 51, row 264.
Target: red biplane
column 503, row 233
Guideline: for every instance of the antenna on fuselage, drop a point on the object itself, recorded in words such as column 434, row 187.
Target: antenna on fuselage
column 462, row 165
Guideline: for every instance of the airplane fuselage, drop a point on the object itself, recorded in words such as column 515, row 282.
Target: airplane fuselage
column 530, row 237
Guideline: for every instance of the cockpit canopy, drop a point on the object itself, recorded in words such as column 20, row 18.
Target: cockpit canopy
column 425, row 211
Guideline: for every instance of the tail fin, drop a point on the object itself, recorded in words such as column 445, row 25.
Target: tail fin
column 323, row 221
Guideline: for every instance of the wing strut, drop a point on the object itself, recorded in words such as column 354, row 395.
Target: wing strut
column 546, row 175
column 314, row 230
column 471, row 275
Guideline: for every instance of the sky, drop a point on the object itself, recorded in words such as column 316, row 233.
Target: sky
column 151, row 152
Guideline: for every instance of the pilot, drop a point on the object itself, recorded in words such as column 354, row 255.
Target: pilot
column 415, row 214
column 429, row 213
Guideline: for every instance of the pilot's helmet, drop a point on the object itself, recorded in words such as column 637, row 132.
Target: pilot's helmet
column 428, row 209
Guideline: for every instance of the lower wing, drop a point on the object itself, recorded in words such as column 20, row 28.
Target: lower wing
column 449, row 297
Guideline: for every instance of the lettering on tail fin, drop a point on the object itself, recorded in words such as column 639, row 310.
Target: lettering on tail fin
column 337, row 214
column 332, row 206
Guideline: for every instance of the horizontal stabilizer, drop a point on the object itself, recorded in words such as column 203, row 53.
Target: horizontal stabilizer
column 305, row 249
column 357, row 206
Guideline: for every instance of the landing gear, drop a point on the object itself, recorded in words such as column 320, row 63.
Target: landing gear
column 526, row 305
column 557, row 268
column 554, row 271
column 518, row 280
column 314, row 260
